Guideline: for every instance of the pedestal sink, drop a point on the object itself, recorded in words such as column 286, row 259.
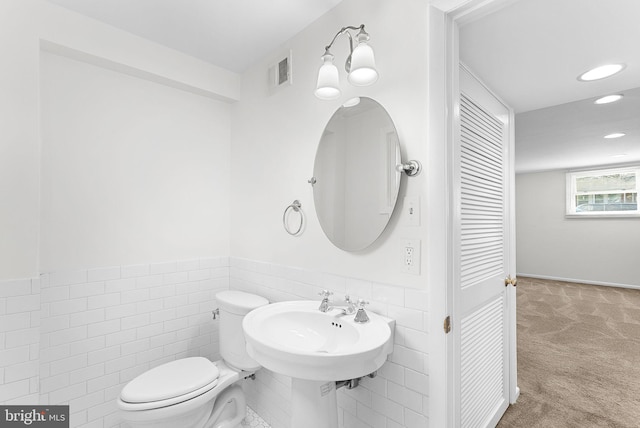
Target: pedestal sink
column 316, row 349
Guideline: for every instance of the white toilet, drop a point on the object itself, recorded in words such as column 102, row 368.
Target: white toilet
column 194, row 392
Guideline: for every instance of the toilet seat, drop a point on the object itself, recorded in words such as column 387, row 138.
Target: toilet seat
column 169, row 384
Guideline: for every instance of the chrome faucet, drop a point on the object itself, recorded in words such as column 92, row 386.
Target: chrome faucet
column 347, row 309
column 324, row 305
column 361, row 316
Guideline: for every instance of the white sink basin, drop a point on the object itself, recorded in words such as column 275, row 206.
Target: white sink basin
column 296, row 339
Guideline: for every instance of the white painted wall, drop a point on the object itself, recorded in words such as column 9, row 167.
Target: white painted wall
column 24, row 26
column 275, row 137
column 19, row 177
column 600, row 250
column 132, row 171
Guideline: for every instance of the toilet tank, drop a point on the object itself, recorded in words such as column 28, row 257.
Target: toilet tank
column 234, row 305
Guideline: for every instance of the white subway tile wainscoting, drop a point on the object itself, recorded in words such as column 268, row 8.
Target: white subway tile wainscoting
column 78, row 337
column 19, row 341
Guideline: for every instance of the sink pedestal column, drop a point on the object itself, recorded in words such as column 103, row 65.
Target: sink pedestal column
column 313, row 404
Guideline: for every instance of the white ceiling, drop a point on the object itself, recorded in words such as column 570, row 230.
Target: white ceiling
column 531, row 52
column 571, row 135
column 232, row 34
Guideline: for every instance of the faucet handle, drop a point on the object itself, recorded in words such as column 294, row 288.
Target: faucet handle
column 325, row 293
column 324, row 305
column 361, row 315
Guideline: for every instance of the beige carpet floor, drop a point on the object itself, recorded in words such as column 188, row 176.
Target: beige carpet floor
column 578, row 356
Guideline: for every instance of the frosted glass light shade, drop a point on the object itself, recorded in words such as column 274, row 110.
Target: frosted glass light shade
column 327, row 87
column 363, row 66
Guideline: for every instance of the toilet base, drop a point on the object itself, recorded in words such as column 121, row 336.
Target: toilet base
column 229, row 409
column 224, row 408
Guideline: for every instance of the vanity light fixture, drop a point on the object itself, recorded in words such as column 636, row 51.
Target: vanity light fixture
column 609, row 99
column 360, row 65
column 615, row 135
column 601, row 72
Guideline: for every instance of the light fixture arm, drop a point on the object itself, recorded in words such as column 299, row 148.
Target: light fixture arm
column 345, row 30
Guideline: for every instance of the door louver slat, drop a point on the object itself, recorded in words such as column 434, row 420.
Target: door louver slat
column 482, row 185
column 481, row 357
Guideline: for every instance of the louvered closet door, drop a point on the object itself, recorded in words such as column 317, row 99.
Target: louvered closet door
column 481, row 229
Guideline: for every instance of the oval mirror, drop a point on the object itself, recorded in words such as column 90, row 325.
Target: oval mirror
column 356, row 179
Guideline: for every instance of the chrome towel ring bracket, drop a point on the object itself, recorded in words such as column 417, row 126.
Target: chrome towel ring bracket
column 295, row 207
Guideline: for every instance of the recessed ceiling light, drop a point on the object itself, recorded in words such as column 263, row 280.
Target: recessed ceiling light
column 615, row 135
column 601, row 72
column 620, row 155
column 609, row 99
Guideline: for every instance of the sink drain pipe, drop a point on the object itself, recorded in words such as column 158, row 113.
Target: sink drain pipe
column 353, row 383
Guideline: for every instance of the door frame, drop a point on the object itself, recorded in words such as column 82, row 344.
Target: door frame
column 445, row 17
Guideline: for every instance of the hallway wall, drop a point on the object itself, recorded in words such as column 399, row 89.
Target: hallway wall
column 588, row 250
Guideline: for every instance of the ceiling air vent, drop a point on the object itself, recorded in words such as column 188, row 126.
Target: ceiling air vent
column 280, row 74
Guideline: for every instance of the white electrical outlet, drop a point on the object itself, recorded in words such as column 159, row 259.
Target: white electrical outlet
column 412, row 210
column 411, row 256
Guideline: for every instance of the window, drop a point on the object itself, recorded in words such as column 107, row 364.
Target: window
column 603, row 193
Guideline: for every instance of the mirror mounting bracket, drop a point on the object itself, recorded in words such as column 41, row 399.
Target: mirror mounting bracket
column 412, row 168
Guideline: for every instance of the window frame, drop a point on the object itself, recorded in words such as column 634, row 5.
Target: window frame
column 570, row 195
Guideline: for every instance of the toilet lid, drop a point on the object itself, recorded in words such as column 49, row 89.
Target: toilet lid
column 171, row 380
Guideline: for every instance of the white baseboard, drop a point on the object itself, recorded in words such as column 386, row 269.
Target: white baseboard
column 580, row 281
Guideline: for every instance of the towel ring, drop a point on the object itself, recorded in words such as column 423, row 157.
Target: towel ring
column 296, row 206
